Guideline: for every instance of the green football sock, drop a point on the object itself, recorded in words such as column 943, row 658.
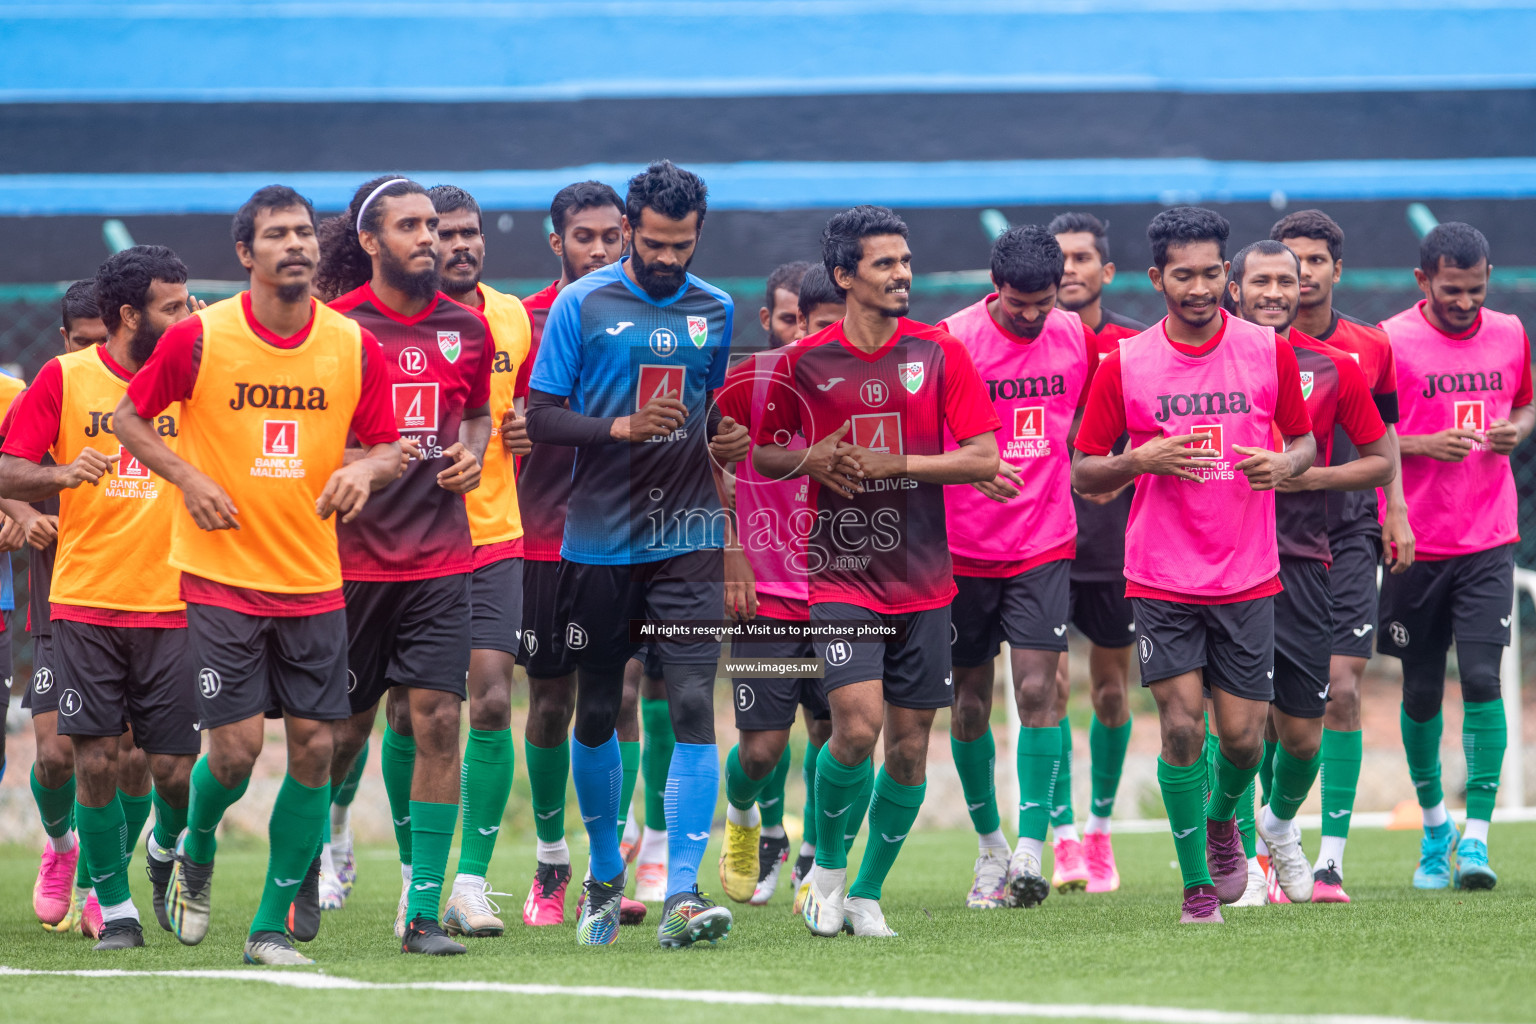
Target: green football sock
column 855, row 819
column 169, row 821
column 740, row 790
column 431, row 836
column 55, row 806
column 1106, row 751
column 1231, row 782
column 397, row 760
column 1038, row 757
column 629, row 762
column 808, row 772
column 892, row 811
column 1293, row 780
column 485, row 784
column 1340, row 775
column 135, row 813
column 344, row 793
column 838, row 785
column 549, row 769
column 206, row 805
column 1245, row 830
column 771, row 800
column 1421, row 744
column 1212, row 744
column 1484, row 737
column 293, row 839
column 976, row 761
column 1061, row 800
column 1267, row 772
column 1184, row 797
column 656, row 759
column 102, row 847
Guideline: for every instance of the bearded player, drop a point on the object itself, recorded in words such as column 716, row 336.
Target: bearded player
column 1265, row 288
column 407, row 558
column 1202, row 395
column 1465, row 372
column 628, row 359
column 121, row 641
column 1357, row 536
column 269, row 386
column 590, row 231
column 874, row 396
column 1012, row 539
column 1099, row 607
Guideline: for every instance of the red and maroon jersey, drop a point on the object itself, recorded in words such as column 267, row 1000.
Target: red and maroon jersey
column 1355, row 512
column 1339, row 402
column 887, row 548
column 1101, row 528
column 544, row 474
column 439, row 366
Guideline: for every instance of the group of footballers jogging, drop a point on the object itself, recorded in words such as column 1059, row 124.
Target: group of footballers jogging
column 371, row 478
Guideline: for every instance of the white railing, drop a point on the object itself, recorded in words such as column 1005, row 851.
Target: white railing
column 1511, row 678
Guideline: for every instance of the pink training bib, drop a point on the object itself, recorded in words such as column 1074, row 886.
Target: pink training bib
column 1457, row 508
column 772, row 515
column 1035, row 387
column 1216, row 537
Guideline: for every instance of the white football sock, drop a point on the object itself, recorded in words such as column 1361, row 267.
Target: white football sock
column 993, row 841
column 1065, row 833
column 468, row 885
column 748, row 817
column 63, row 843
column 341, row 821
column 119, row 911
column 774, row 832
column 807, row 850
column 1096, row 826
column 1027, row 845
column 1332, row 849
column 653, row 846
column 1476, row 829
column 1435, row 816
column 553, row 853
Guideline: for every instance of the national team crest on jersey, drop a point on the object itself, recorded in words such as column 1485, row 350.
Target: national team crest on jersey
column 448, row 344
column 879, row 432
column 911, row 376
column 698, row 331
column 1308, row 378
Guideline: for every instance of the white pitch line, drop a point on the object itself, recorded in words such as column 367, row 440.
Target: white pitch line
column 904, row 1004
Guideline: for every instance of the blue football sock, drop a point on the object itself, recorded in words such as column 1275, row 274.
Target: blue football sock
column 693, row 786
column 598, row 774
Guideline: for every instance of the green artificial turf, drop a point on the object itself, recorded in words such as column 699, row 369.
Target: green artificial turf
column 1443, row 956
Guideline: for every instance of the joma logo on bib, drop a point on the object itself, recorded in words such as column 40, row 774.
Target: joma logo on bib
column 277, row 396
column 1201, row 403
column 1443, row 383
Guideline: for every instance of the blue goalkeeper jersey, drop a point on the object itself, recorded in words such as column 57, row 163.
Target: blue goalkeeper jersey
column 610, row 348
